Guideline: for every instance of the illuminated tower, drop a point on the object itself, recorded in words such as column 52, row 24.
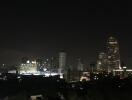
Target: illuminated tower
column 62, row 60
column 62, row 65
column 102, row 62
column 113, row 55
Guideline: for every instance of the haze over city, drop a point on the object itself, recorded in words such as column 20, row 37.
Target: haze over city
column 37, row 29
column 61, row 50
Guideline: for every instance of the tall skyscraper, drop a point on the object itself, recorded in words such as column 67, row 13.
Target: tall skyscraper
column 80, row 65
column 102, row 62
column 62, row 60
column 62, row 64
column 113, row 55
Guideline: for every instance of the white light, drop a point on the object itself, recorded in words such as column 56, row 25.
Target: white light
column 18, row 77
column 53, row 74
column 33, row 62
column 61, row 76
column 84, row 78
column 112, row 42
column 47, row 74
column 45, row 69
column 106, row 75
column 118, row 70
column 124, row 67
column 129, row 70
column 100, row 63
column 28, row 61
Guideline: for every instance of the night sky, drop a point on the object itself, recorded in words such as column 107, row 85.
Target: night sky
column 36, row 29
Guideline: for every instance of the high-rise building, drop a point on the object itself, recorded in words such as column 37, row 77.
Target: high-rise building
column 102, row 62
column 62, row 60
column 62, row 65
column 113, row 55
column 80, row 65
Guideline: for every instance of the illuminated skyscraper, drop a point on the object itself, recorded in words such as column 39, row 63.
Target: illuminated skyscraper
column 102, row 62
column 62, row 60
column 62, row 64
column 113, row 55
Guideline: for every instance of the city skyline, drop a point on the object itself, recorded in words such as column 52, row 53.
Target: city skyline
column 65, row 50
column 78, row 28
column 32, row 57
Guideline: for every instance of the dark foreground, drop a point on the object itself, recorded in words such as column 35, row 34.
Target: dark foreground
column 14, row 87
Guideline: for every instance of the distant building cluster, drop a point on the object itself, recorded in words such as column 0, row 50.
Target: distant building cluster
column 108, row 61
column 47, row 67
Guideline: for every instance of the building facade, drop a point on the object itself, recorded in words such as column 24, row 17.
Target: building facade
column 62, row 60
column 102, row 62
column 113, row 55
